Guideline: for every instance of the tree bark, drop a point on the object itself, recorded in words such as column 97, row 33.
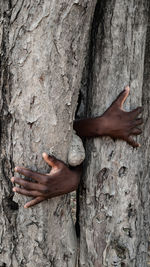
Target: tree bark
column 114, row 200
column 43, row 45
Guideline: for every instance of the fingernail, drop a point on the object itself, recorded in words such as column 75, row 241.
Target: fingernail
column 14, row 189
column 44, row 155
column 12, row 179
column 16, row 169
column 25, row 207
column 127, row 88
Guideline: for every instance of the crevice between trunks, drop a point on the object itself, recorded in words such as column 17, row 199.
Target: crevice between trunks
column 84, row 95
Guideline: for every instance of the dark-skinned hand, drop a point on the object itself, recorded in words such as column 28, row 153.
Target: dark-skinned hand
column 120, row 124
column 115, row 122
column 59, row 181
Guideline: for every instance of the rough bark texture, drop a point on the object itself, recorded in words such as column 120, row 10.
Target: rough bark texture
column 43, row 45
column 114, row 196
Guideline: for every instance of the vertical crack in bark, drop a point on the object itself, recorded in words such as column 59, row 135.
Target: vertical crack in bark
column 86, row 84
column 97, row 19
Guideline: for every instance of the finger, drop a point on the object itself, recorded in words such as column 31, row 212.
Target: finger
column 136, row 131
column 136, row 112
column 28, row 185
column 122, row 97
column 33, row 202
column 132, row 142
column 52, row 161
column 138, row 122
column 41, row 178
column 27, row 193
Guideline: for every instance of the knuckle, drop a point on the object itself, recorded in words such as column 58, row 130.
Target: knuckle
column 23, row 181
column 51, row 157
column 17, row 179
column 46, row 180
column 45, row 190
column 27, row 172
column 26, row 185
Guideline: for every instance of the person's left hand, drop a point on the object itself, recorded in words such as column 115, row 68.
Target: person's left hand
column 59, row 181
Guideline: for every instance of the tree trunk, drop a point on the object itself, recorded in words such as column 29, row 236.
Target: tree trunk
column 43, row 47
column 114, row 200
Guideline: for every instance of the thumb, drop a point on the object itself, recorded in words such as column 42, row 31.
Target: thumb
column 51, row 161
column 122, row 97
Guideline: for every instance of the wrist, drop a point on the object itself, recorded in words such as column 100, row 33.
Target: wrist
column 91, row 127
column 99, row 126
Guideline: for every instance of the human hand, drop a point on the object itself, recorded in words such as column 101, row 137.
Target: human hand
column 120, row 124
column 59, row 181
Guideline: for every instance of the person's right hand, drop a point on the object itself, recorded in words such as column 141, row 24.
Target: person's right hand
column 115, row 122
column 59, row 181
column 120, row 124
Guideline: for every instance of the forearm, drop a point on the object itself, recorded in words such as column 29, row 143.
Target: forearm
column 90, row 127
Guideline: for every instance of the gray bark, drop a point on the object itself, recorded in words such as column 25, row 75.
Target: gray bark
column 43, row 46
column 114, row 196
